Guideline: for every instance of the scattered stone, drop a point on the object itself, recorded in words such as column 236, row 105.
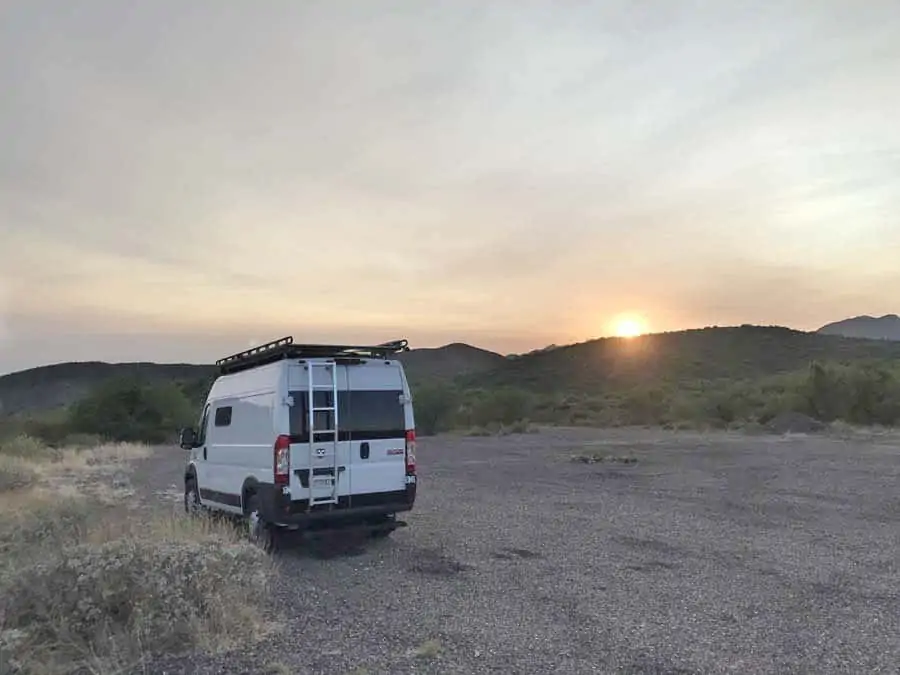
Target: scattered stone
column 794, row 423
column 121, row 481
column 599, row 457
column 430, row 649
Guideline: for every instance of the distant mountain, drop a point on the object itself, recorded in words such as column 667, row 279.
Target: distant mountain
column 679, row 358
column 448, row 362
column 58, row 385
column 598, row 366
column 885, row 327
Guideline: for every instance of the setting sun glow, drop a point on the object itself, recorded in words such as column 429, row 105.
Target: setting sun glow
column 628, row 327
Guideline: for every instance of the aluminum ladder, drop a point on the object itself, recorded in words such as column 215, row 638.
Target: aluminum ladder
column 323, row 470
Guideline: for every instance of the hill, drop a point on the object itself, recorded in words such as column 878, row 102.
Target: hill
column 885, row 327
column 707, row 354
column 711, row 376
column 59, row 385
column 448, row 362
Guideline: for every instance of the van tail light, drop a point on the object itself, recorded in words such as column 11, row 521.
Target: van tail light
column 281, row 461
column 410, row 452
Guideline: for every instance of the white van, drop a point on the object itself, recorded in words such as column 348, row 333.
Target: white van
column 302, row 437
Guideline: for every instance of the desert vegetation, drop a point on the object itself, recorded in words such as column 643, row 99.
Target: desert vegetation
column 86, row 580
column 711, row 378
column 122, row 409
column 855, row 393
column 88, row 584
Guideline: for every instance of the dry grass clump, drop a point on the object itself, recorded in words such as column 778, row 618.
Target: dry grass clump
column 122, row 599
column 89, row 586
column 97, row 459
column 430, row 649
column 24, row 460
column 99, row 471
column 26, row 447
column 38, row 520
column 16, row 474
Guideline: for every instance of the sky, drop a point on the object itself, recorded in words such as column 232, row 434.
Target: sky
column 181, row 180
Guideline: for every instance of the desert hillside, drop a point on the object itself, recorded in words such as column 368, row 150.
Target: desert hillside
column 62, row 384
column 448, row 362
column 697, row 378
column 885, row 327
column 708, row 354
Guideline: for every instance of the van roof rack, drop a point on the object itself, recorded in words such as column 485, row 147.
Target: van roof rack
column 286, row 348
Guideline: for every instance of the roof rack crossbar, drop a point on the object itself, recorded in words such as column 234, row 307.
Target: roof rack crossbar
column 286, row 348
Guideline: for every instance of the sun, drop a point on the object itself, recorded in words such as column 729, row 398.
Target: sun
column 628, row 327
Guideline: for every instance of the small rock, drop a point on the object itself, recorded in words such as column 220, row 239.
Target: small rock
column 121, row 481
column 794, row 423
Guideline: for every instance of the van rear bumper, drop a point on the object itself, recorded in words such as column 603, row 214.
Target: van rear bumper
column 279, row 509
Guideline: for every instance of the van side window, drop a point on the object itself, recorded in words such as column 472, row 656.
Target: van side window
column 223, row 416
column 204, row 422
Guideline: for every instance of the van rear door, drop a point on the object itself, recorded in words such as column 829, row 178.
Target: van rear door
column 318, row 456
column 373, row 416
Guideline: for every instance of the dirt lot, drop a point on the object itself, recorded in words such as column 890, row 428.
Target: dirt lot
column 710, row 554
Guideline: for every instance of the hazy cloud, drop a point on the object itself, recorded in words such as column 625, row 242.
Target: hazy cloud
column 510, row 173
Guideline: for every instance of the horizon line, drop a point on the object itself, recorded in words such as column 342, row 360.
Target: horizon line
column 549, row 347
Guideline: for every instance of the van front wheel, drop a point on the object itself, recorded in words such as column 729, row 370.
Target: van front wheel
column 192, row 505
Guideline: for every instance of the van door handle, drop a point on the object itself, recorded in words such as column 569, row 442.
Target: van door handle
column 204, row 452
column 364, row 450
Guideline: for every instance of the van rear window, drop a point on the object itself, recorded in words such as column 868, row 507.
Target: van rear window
column 362, row 414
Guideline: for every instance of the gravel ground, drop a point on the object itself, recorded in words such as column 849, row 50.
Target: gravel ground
column 711, row 553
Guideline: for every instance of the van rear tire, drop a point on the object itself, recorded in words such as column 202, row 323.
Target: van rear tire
column 385, row 528
column 259, row 532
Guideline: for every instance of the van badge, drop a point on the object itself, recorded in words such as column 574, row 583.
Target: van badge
column 320, row 452
column 396, row 451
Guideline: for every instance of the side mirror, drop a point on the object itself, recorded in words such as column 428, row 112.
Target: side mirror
column 188, row 438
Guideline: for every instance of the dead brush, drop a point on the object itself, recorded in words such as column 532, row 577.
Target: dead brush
column 89, row 586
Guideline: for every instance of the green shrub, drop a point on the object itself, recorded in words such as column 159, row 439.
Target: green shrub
column 859, row 394
column 10, row 427
column 435, row 408
column 500, row 406
column 48, row 426
column 196, row 390
column 644, row 406
column 856, row 393
column 52, row 433
column 131, row 410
